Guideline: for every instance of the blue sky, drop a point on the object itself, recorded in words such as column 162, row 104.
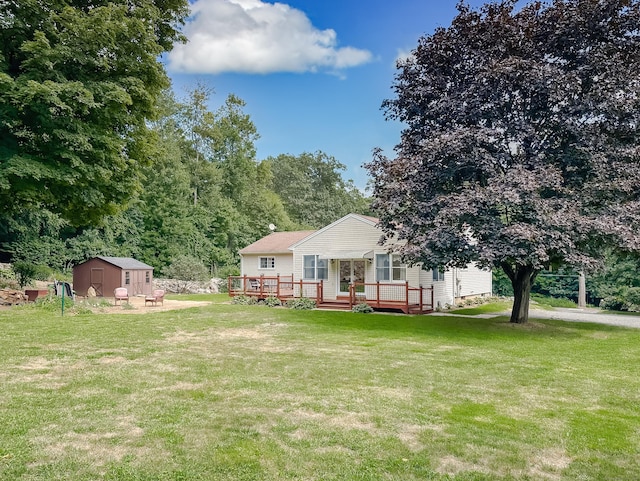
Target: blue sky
column 313, row 73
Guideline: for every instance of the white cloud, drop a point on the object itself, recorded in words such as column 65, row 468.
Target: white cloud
column 252, row 36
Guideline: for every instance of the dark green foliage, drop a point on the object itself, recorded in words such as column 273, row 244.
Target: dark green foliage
column 627, row 299
column 312, row 189
column 25, row 272
column 78, row 81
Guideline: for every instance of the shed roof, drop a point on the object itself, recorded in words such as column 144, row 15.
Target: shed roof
column 125, row 262
column 276, row 242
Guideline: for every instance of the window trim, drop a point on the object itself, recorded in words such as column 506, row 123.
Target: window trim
column 317, row 268
column 437, row 275
column 389, row 269
column 270, row 266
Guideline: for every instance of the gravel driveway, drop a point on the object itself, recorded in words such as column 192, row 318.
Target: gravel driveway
column 586, row 315
column 565, row 314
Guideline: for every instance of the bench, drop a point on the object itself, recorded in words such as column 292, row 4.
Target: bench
column 153, row 299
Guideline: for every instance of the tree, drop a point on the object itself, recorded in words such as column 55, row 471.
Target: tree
column 521, row 146
column 78, row 81
column 312, row 189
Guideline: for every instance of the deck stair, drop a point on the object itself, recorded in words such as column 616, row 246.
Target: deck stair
column 334, row 305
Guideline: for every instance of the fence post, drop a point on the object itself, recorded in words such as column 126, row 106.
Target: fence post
column 261, row 284
column 301, row 288
column 378, row 294
column 320, row 292
column 421, row 294
column 244, row 285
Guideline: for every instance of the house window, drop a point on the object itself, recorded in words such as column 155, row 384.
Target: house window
column 147, row 277
column 438, row 275
column 127, row 278
column 389, row 267
column 267, row 263
column 314, row 268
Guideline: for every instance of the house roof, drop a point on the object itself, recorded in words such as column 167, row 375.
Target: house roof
column 276, row 242
column 125, row 262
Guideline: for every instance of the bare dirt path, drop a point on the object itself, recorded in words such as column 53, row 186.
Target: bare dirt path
column 136, row 305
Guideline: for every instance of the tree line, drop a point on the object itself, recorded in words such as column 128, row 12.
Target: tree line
column 203, row 197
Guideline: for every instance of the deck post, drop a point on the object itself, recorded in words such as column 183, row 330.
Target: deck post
column 301, row 288
column 406, row 295
column 261, row 284
column 244, row 285
column 352, row 295
column 432, row 306
column 278, row 286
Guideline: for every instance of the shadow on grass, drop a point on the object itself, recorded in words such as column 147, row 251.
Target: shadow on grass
column 448, row 326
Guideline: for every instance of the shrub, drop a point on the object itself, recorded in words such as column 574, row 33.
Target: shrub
column 244, row 300
column 272, row 301
column 302, row 303
column 632, row 296
column 362, row 307
column 186, row 268
column 25, row 272
column 612, row 303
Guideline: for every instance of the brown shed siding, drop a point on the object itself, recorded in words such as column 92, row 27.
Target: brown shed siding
column 104, row 277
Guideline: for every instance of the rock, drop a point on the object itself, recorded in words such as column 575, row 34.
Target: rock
column 91, row 292
column 10, row 297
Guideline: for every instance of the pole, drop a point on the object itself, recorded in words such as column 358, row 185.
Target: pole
column 63, row 286
column 582, row 290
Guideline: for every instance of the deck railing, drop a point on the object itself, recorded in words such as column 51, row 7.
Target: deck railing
column 378, row 295
column 282, row 287
column 392, row 296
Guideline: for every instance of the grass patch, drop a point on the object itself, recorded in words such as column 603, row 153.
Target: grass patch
column 551, row 302
column 227, row 392
column 488, row 308
column 213, row 298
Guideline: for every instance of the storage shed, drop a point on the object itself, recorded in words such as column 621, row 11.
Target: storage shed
column 105, row 274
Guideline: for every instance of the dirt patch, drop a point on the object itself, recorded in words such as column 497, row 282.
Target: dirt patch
column 137, row 305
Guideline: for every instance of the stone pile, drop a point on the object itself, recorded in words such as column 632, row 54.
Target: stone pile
column 10, row 297
column 188, row 287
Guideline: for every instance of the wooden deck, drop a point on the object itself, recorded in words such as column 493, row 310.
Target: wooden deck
column 380, row 296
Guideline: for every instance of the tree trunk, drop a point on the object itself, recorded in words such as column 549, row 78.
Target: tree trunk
column 522, row 278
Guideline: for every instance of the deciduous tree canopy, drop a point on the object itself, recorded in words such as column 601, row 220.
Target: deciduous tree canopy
column 78, row 80
column 521, row 149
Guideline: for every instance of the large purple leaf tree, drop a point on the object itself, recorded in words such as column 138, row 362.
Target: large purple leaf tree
column 521, row 147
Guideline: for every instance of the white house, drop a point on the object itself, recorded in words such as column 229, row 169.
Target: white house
column 347, row 253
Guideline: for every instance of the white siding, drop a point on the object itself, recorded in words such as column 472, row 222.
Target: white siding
column 351, row 233
column 250, row 265
column 473, row 282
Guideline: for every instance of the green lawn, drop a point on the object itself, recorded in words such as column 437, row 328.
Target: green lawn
column 229, row 392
